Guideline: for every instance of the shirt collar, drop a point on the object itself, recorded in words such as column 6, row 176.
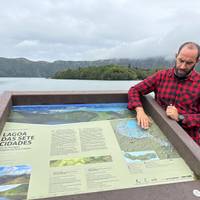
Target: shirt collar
column 192, row 76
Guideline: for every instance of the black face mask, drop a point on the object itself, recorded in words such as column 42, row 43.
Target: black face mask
column 182, row 76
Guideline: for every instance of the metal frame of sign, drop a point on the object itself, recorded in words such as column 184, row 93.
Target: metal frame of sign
column 185, row 146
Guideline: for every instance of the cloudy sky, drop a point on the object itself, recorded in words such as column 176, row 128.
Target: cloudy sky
column 96, row 29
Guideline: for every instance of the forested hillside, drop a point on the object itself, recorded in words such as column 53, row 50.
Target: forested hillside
column 108, row 72
column 21, row 67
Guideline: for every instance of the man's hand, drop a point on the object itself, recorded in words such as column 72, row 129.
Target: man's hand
column 142, row 119
column 172, row 112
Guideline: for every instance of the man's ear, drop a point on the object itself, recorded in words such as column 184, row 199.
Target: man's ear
column 176, row 55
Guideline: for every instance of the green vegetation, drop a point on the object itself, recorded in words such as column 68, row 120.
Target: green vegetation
column 66, row 117
column 80, row 161
column 19, row 192
column 107, row 72
column 22, row 67
column 15, row 179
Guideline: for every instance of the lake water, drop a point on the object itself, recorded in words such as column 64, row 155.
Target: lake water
column 44, row 84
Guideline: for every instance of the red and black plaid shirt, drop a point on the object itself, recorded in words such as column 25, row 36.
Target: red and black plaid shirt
column 183, row 94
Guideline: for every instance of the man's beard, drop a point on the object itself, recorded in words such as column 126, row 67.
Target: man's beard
column 182, row 74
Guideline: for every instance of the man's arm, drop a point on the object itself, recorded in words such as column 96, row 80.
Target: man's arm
column 191, row 120
column 172, row 112
column 142, row 118
column 188, row 121
column 144, row 87
column 134, row 102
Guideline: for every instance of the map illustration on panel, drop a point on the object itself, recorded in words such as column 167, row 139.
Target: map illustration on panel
column 135, row 142
column 139, row 144
column 68, row 113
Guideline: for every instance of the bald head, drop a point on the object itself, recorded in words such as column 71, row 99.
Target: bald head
column 191, row 46
column 186, row 59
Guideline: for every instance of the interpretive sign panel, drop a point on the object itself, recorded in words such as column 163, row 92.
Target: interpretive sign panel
column 83, row 148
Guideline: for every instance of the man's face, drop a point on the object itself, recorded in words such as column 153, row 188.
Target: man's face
column 185, row 61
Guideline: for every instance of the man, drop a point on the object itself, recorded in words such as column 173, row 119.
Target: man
column 177, row 91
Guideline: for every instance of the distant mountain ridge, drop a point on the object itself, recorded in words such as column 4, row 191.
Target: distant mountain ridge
column 22, row 67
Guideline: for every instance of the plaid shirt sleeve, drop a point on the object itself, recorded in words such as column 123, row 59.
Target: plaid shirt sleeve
column 191, row 120
column 184, row 95
column 146, row 86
